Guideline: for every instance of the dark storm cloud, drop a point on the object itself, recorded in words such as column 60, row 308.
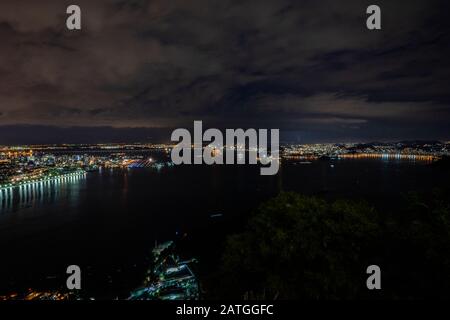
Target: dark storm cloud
column 308, row 67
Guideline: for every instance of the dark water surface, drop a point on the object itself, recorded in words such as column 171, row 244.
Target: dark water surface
column 108, row 222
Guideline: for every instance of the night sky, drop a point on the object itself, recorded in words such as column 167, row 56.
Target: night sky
column 138, row 69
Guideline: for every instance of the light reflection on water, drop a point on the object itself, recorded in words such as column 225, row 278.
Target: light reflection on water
column 112, row 218
column 39, row 193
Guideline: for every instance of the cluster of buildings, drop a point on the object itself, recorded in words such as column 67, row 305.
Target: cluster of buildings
column 23, row 168
column 39, row 295
column 170, row 278
column 22, row 164
column 398, row 150
column 32, row 165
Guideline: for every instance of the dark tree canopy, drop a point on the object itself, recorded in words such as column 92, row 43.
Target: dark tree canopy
column 299, row 246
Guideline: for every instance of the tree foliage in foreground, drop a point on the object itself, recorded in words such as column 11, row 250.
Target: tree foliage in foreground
column 299, row 246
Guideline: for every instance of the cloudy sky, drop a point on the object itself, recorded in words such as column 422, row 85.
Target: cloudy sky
column 140, row 68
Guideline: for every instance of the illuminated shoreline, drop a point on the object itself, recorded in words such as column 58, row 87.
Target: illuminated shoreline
column 48, row 178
